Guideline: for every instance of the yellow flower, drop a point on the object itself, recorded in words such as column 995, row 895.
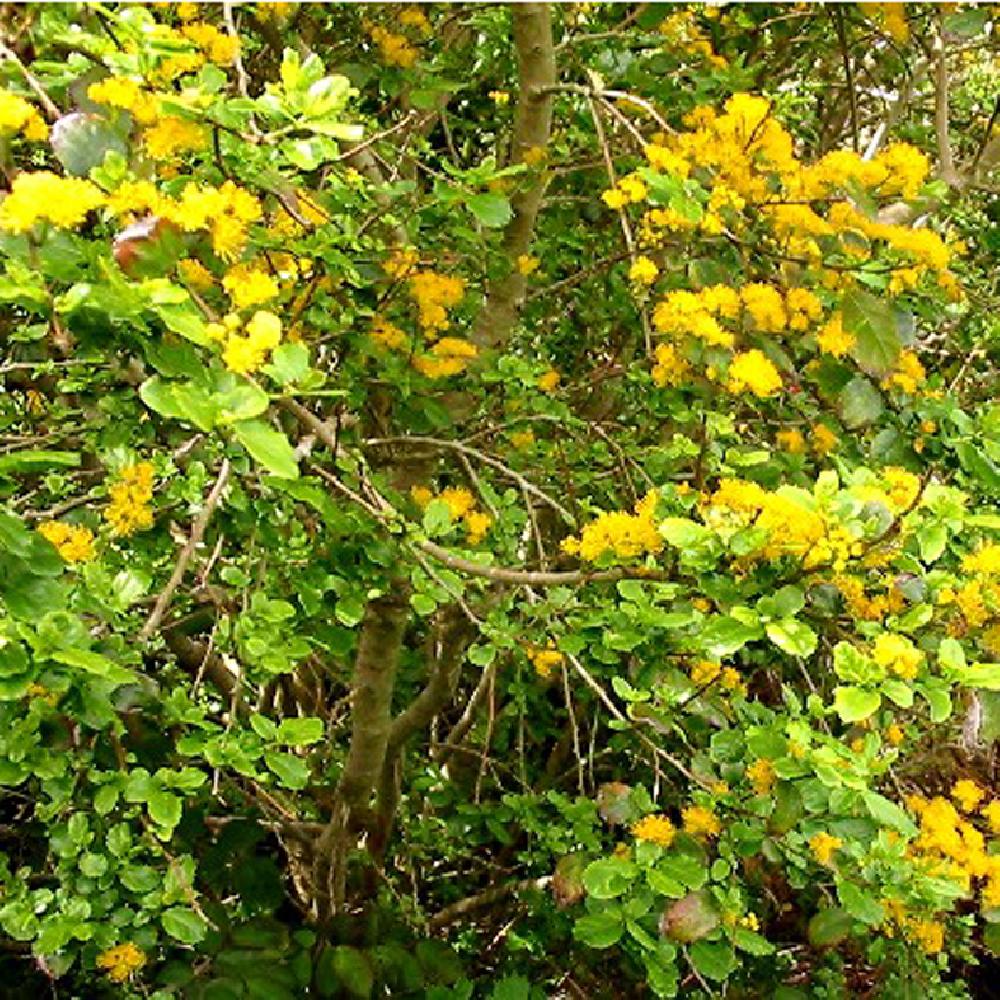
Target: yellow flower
column 701, row 822
column 765, row 306
column 458, row 500
column 824, row 440
column 991, row 813
column 823, row 845
column 195, row 273
column 522, row 439
column 985, row 561
column 477, row 524
column 499, row 97
column 670, row 368
column 75, row 543
column 45, row 197
column 614, row 198
column 534, row 156
column 434, row 294
column 894, row 735
column 752, row 370
column 121, row 961
column 121, row 92
column 704, row 672
column 17, row 115
column 898, row 654
column 546, row 660
column 633, row 188
column 171, row 135
column 548, row 381
column 929, row 935
column 449, row 356
column 761, row 775
column 387, row 335
column 422, row 495
column 967, row 794
column 792, row 441
column 655, row 829
column 628, row 536
column 643, row 271
column 131, row 494
column 833, row 338
column 248, row 286
column 526, row 264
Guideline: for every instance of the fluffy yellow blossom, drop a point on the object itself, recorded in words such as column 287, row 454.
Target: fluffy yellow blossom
column 908, row 375
column 422, row 495
column 967, row 794
column 656, row 829
column 549, row 381
column 803, row 307
column 985, row 561
column 75, row 543
column 196, row 274
column 765, row 306
column 248, row 285
column 477, row 524
column 122, row 92
column 823, row 440
column 792, row 441
column 401, row 263
column 754, row 371
column 395, row 50
column 991, row 813
column 545, row 660
column 245, row 353
column 45, row 197
column 526, row 264
column 449, row 356
column 894, row 735
column 705, row 672
column 823, row 845
column 614, row 198
column 131, row 495
column 434, row 294
column 500, row 98
column 627, row 536
column 670, row 368
column 217, row 46
column 387, row 334
column 643, row 271
column 761, row 776
column 898, row 654
column 929, row 934
column 833, row 339
column 522, row 439
column 18, row 116
column 171, row 135
column 903, row 488
column 701, row 822
column 121, row 961
column 458, row 500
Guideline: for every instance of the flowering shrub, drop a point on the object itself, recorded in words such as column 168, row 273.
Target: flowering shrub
column 499, row 502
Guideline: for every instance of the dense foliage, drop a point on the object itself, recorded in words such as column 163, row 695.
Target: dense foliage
column 499, row 501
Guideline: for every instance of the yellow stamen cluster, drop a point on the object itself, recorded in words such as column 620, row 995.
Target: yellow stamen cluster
column 18, row 116
column 701, row 822
column 545, row 660
column 42, row 196
column 897, row 654
column 462, row 507
column 655, row 829
column 245, row 352
column 626, row 536
column 74, row 542
column 823, row 846
column 121, row 961
column 395, row 50
column 761, row 776
column 249, row 285
column 131, row 495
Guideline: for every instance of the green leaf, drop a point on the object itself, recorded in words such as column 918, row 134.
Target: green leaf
column 898, row 692
column 751, row 942
column 792, row 637
column 860, row 403
column 183, row 924
column 81, row 140
column 713, row 959
column 887, row 813
column 938, row 700
column 829, row 927
column 93, row 663
column 951, row 655
column 511, row 988
column 292, row 771
column 268, row 446
column 437, row 518
column 353, row 970
column 36, row 460
column 853, row 704
column 932, row 539
column 180, row 401
column 682, row 532
column 875, row 327
column 300, row 732
column 491, row 209
column 289, row 363
column 723, row 636
column 164, row 808
column 599, row 930
column 608, row 878
column 860, row 904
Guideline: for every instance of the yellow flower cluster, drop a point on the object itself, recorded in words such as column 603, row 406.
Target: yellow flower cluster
column 762, row 776
column 249, row 285
column 656, row 829
column 121, row 961
column 701, row 822
column 863, row 607
column 549, row 381
column 245, row 352
column 545, row 660
column 753, row 371
column 216, row 46
column 131, row 495
column 908, row 374
column 195, row 274
column 45, row 197
column 172, row 135
column 395, row 50
column 892, row 17
column 127, row 94
column 706, row 672
column 823, row 846
column 75, row 543
column 387, row 335
column 461, row 505
column 526, row 264
column 626, row 536
column 671, row 366
column 682, row 33
column 434, row 294
column 985, row 561
column 951, row 846
column 18, row 116
column 629, row 190
column 643, row 271
column 897, row 654
column 449, row 356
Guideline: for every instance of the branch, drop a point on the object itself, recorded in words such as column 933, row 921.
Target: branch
column 485, row 898
column 536, row 63
column 194, row 540
column 946, row 164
